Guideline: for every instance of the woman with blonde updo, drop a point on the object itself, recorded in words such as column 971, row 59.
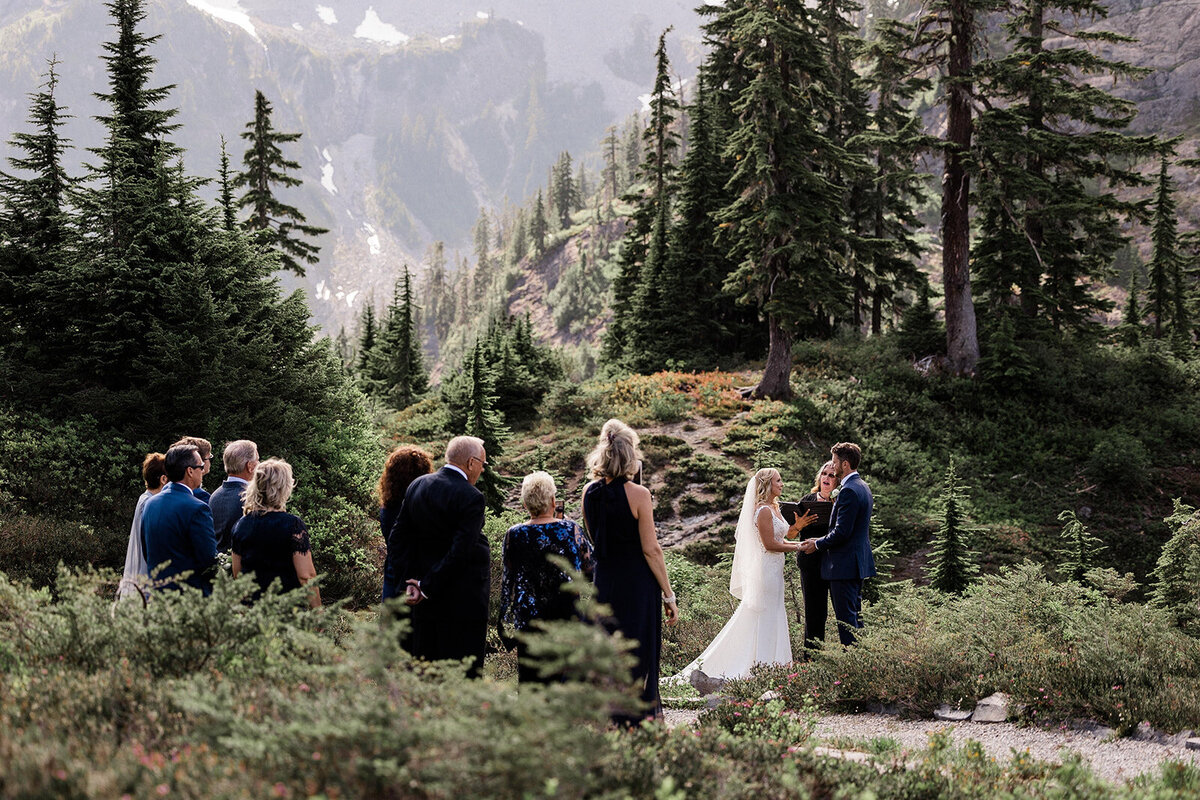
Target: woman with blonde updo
column 631, row 574
column 269, row 542
column 758, row 631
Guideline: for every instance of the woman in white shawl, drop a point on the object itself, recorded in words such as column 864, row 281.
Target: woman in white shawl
column 758, row 631
column 134, row 578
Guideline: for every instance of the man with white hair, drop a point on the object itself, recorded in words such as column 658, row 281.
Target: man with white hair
column 240, row 458
column 445, row 558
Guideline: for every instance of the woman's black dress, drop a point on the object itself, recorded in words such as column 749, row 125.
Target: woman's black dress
column 531, row 587
column 814, row 588
column 624, row 581
column 266, row 542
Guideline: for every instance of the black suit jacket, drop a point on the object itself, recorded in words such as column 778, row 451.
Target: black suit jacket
column 438, row 539
column 226, row 505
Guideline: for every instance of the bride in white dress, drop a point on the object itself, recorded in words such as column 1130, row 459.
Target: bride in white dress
column 758, row 631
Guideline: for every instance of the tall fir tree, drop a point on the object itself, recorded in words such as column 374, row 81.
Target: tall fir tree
column 1049, row 150
column 632, row 338
column 893, row 142
column 470, row 398
column 397, row 361
column 368, row 337
column 538, row 227
column 265, row 168
column 225, row 197
column 35, row 237
column 782, row 223
column 1164, row 261
column 1130, row 329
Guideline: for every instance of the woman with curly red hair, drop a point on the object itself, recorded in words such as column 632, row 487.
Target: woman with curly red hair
column 403, row 465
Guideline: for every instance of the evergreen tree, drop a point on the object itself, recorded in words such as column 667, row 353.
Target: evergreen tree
column 1131, row 323
column 537, row 227
column 892, row 143
column 951, row 25
column 952, row 562
column 782, row 222
column 519, row 244
column 225, row 191
column 577, row 300
column 265, row 168
column 563, row 192
column 439, row 300
column 920, row 332
column 483, row 259
column 34, row 235
column 471, row 403
column 1177, row 572
column 633, row 336
column 1079, row 549
column 397, row 363
column 368, row 337
column 1164, row 263
column 608, row 177
column 1049, row 148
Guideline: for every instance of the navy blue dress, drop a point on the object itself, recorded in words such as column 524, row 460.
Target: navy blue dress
column 531, row 585
column 624, row 581
column 266, row 542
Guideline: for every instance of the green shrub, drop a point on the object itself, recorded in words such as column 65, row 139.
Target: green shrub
column 1119, row 461
column 767, row 719
column 32, row 547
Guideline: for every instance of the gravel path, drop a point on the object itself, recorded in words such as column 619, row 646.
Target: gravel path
column 1115, row 760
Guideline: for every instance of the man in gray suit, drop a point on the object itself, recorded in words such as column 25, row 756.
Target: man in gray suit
column 240, row 457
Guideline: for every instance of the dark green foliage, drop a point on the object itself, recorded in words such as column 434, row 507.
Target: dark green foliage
column 537, row 227
column 564, row 193
column 36, row 234
column 952, row 562
column 1079, row 550
column 161, row 322
column 921, row 334
column 395, row 364
column 1062, row 650
column 1005, row 362
column 471, row 402
column 1047, row 141
column 368, row 335
column 640, row 301
column 225, row 191
column 1130, row 329
column 578, row 297
column 781, row 227
column 1119, row 461
column 1177, row 573
column 266, row 167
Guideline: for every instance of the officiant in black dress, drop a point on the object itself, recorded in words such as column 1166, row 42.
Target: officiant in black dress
column 813, row 587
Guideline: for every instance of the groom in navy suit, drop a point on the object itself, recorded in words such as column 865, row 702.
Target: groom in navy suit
column 846, row 557
column 177, row 526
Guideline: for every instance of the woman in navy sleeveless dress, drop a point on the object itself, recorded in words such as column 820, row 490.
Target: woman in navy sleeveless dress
column 631, row 574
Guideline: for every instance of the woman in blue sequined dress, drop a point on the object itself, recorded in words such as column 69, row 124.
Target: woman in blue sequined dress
column 530, row 588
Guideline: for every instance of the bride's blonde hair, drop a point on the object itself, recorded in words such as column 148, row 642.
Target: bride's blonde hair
column 762, row 487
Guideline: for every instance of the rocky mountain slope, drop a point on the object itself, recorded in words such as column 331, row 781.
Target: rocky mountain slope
column 414, row 115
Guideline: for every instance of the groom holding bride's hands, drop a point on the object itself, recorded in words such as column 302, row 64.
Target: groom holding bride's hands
column 846, row 550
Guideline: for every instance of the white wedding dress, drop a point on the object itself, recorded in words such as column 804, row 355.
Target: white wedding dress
column 758, row 630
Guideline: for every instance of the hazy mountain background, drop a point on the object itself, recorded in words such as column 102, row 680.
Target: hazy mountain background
column 417, row 114
column 414, row 114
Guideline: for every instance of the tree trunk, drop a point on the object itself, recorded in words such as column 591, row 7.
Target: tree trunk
column 776, row 380
column 962, row 343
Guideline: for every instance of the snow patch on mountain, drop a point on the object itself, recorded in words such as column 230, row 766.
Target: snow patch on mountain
column 376, row 30
column 231, row 13
column 327, row 15
column 373, row 243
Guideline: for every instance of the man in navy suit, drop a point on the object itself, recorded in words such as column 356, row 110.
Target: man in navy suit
column 205, row 448
column 846, row 557
column 240, row 457
column 442, row 552
column 177, row 526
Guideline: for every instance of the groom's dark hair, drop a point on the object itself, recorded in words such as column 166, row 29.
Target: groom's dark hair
column 847, row 451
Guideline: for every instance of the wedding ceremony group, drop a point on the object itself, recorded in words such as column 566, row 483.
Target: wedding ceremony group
column 438, row 557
